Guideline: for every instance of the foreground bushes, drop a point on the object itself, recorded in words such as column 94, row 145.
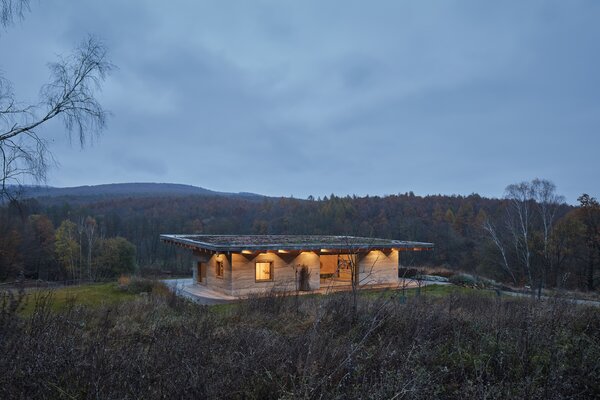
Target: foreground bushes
column 302, row 347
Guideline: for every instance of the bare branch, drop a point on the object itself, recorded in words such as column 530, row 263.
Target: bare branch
column 71, row 94
column 11, row 10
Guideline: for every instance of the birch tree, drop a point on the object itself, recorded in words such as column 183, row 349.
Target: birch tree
column 531, row 212
column 70, row 95
column 67, row 247
column 90, row 234
column 491, row 230
column 520, row 198
column 11, row 10
column 547, row 203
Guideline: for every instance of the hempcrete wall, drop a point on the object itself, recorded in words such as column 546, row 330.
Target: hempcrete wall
column 212, row 281
column 375, row 267
column 378, row 267
column 284, row 272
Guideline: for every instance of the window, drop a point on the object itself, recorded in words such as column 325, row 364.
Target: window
column 219, row 269
column 264, row 271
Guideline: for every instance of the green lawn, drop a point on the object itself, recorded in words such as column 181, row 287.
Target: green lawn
column 88, row 295
column 108, row 293
column 434, row 290
column 431, row 291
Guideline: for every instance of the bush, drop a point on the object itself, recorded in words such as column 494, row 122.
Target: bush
column 304, row 278
column 458, row 347
column 117, row 256
column 468, row 280
column 416, row 272
column 443, row 271
column 464, row 280
column 405, row 272
column 137, row 285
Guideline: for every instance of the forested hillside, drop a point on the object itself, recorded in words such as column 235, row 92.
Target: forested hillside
column 86, row 194
column 565, row 254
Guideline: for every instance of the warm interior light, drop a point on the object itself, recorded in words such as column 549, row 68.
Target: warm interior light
column 283, row 251
column 246, row 252
column 263, row 271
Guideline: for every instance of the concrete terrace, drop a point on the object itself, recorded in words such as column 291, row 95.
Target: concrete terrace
column 203, row 295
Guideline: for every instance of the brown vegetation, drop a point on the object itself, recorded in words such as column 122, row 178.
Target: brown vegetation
column 460, row 346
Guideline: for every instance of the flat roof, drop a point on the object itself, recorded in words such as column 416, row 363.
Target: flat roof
column 256, row 243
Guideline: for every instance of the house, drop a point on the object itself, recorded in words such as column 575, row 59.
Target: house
column 242, row 264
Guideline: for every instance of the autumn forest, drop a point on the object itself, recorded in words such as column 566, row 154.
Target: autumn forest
column 530, row 237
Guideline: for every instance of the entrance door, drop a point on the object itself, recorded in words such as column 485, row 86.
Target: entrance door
column 201, row 273
column 347, row 265
column 338, row 266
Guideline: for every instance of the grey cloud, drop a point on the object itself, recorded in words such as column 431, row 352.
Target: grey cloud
column 319, row 97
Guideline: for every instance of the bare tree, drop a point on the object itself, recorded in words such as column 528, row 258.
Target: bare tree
column 360, row 273
column 489, row 227
column 547, row 204
column 90, row 234
column 531, row 212
column 70, row 94
column 80, row 234
column 520, row 197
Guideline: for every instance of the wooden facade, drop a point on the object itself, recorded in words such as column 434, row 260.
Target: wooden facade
column 222, row 264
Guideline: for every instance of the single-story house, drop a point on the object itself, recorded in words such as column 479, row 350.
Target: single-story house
column 238, row 265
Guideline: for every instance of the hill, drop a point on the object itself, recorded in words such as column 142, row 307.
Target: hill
column 121, row 190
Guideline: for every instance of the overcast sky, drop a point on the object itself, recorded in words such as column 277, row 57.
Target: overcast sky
column 314, row 97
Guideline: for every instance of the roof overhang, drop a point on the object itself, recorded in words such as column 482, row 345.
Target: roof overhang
column 289, row 243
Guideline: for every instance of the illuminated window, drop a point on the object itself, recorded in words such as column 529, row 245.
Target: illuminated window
column 264, row 271
column 219, row 269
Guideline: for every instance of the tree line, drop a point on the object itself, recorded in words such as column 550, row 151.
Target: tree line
column 32, row 248
column 529, row 237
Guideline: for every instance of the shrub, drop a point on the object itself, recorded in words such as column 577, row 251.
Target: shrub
column 303, row 278
column 464, row 280
column 458, row 347
column 405, row 272
column 415, row 272
column 124, row 281
column 117, row 256
column 137, row 285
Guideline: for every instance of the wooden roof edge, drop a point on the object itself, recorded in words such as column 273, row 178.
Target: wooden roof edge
column 182, row 239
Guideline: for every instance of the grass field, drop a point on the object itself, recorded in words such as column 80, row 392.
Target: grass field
column 92, row 295
column 431, row 291
column 95, row 295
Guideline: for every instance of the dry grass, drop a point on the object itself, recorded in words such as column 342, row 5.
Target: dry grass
column 459, row 346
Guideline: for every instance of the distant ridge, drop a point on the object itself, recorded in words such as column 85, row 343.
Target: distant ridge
column 114, row 190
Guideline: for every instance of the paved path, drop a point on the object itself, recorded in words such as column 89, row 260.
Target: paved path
column 197, row 293
column 584, row 302
column 203, row 295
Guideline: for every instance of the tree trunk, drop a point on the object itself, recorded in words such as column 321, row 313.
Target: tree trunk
column 590, row 273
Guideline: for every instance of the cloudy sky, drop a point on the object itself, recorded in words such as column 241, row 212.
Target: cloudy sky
column 313, row 97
